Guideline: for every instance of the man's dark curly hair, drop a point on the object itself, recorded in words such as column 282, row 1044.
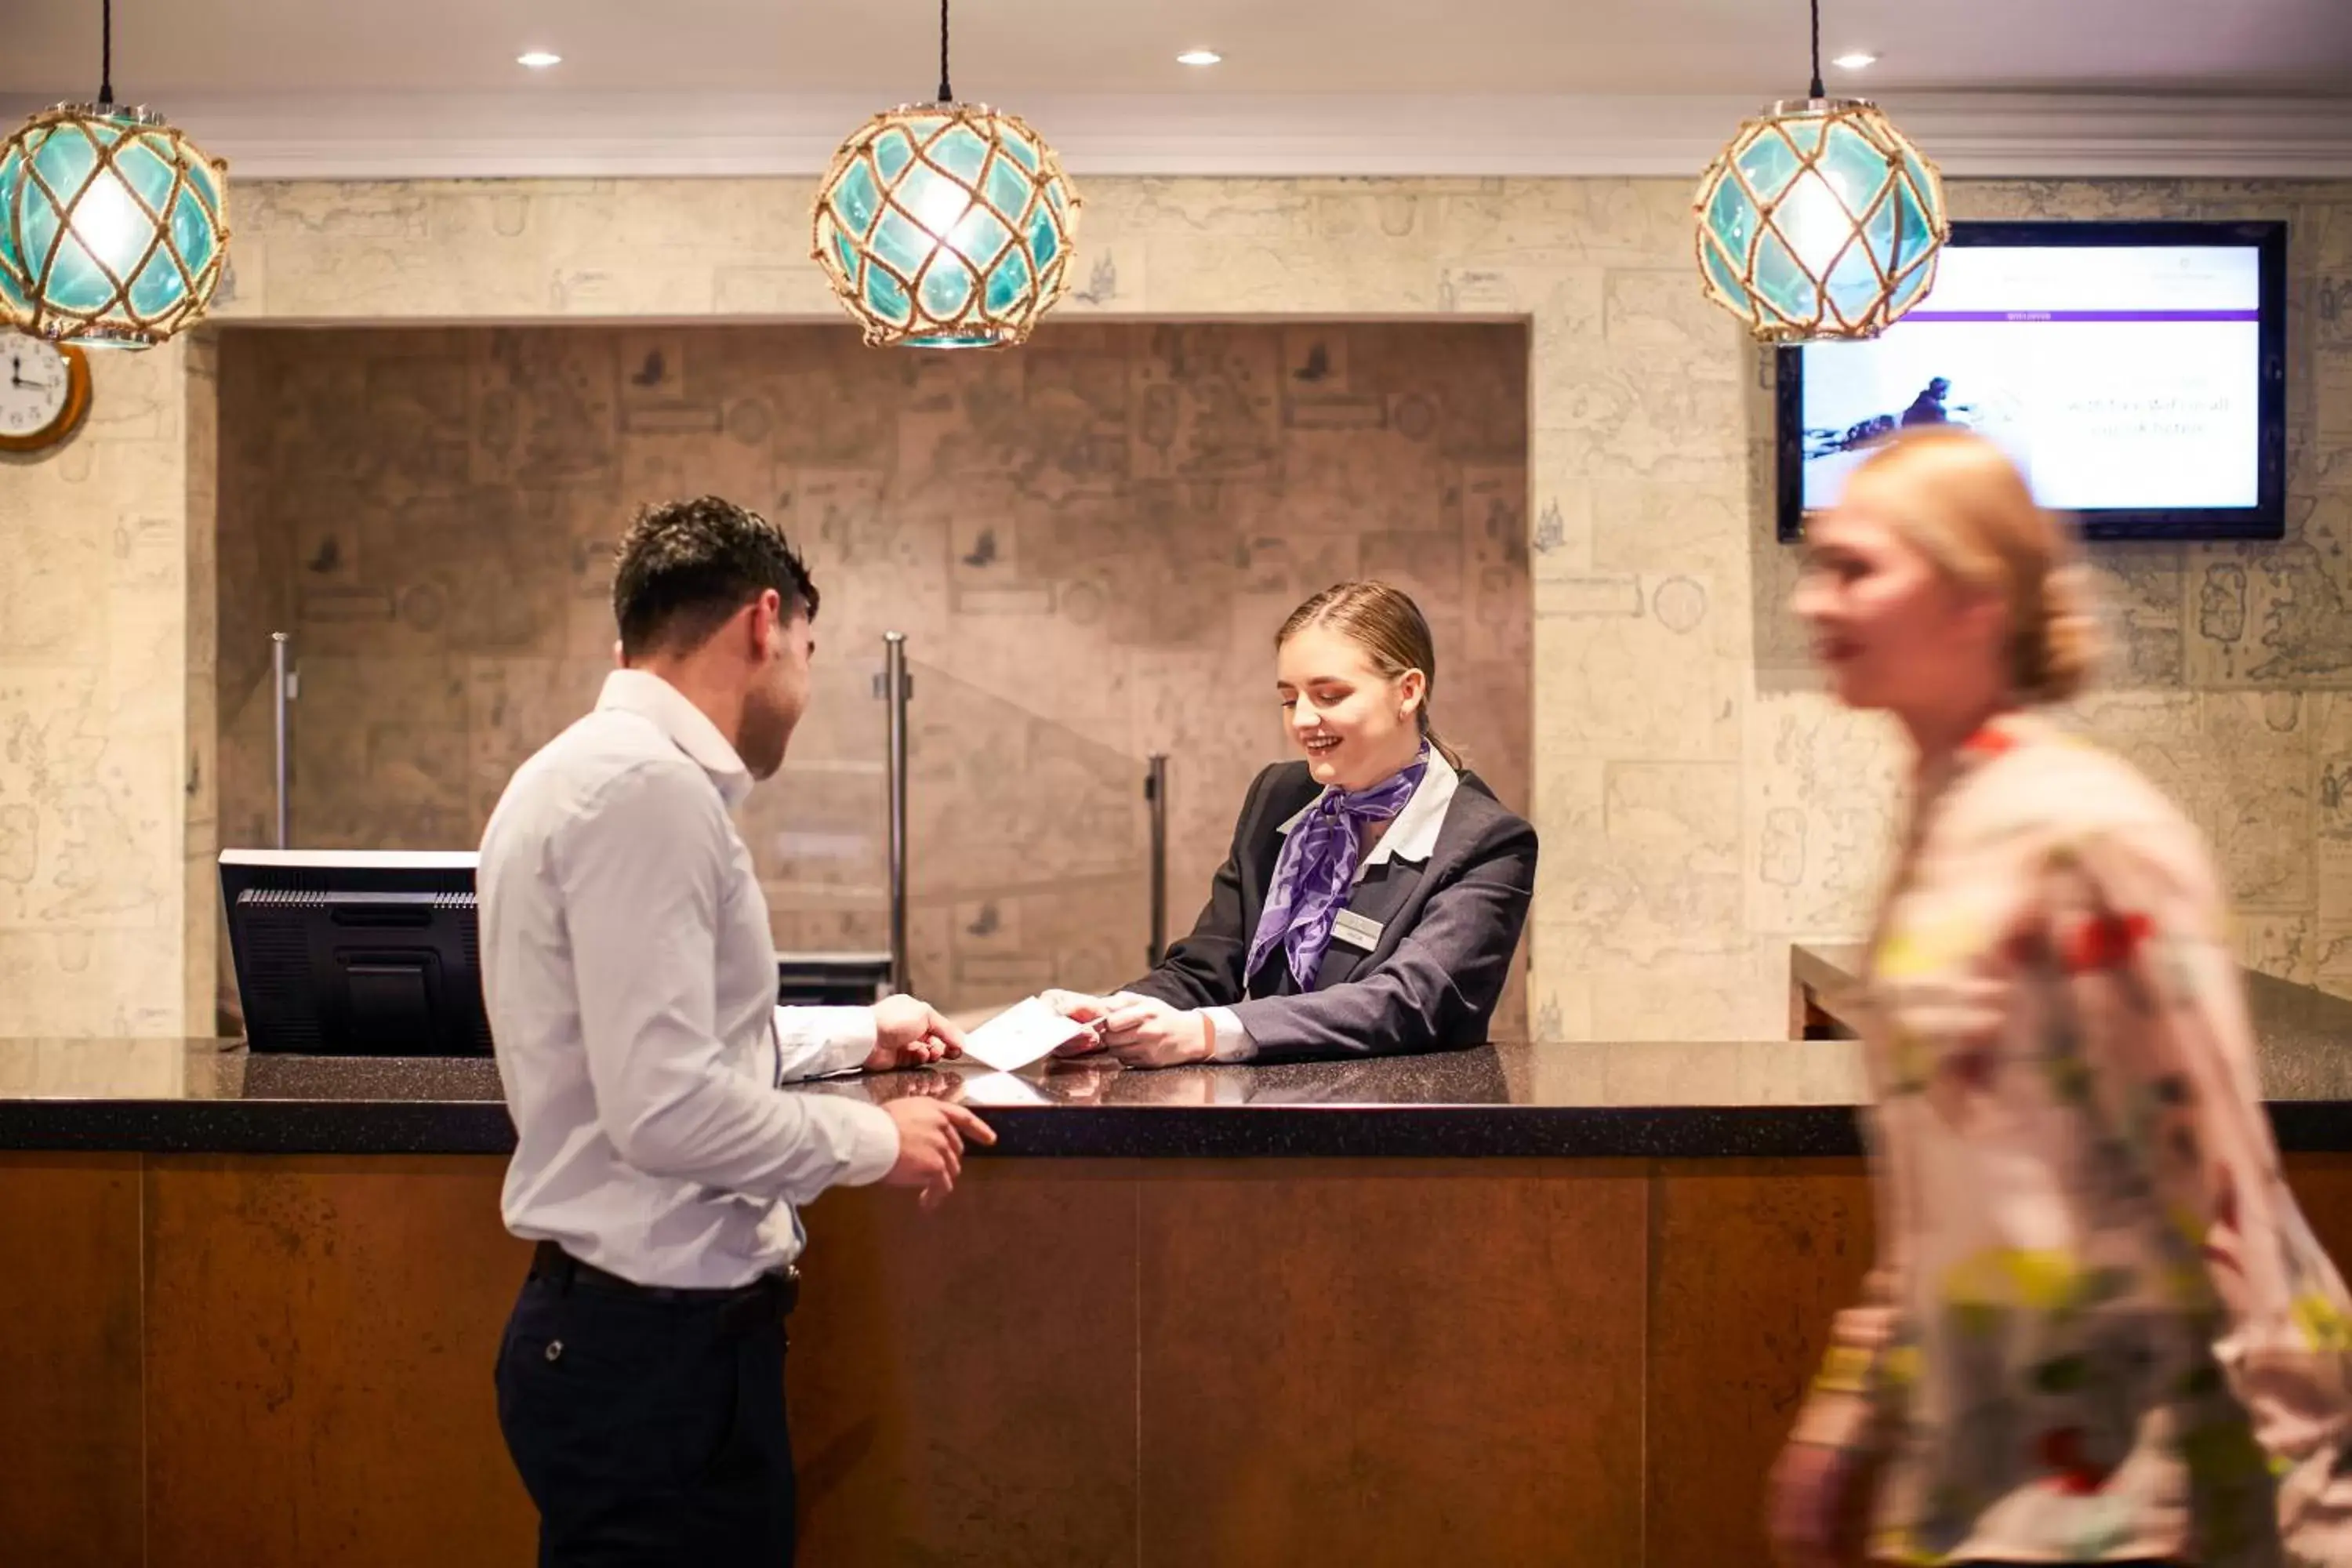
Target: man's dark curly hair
column 686, row 566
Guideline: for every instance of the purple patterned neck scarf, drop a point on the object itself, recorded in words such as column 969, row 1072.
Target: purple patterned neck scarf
column 1317, row 868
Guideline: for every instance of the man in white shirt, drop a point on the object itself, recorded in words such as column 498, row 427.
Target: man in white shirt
column 631, row 980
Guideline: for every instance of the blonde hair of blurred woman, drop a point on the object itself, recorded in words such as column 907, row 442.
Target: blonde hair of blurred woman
column 1959, row 500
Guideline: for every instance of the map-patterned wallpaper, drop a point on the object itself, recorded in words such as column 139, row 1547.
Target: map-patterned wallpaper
column 1700, row 802
column 1088, row 544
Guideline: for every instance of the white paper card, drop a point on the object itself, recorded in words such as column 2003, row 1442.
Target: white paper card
column 1026, row 1032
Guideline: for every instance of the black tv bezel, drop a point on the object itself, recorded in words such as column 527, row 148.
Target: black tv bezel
column 2266, row 518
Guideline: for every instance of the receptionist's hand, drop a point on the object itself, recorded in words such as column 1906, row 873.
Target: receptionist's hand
column 1085, row 1009
column 1145, row 1032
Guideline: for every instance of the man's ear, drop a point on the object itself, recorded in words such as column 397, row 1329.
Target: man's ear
column 765, row 619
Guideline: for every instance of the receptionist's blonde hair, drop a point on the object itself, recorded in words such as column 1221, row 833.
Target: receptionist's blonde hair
column 1388, row 626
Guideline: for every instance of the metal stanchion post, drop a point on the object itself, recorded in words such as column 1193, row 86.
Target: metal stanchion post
column 282, row 692
column 1155, row 790
column 897, row 688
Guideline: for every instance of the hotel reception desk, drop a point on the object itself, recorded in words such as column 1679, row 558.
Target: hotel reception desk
column 1503, row 1306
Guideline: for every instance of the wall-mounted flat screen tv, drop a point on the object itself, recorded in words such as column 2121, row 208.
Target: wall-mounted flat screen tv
column 2135, row 371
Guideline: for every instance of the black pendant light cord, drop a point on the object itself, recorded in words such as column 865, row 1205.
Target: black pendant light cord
column 1817, row 45
column 946, row 95
column 106, row 56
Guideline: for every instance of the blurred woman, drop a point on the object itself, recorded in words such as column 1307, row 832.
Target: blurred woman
column 2098, row 1330
column 1375, row 890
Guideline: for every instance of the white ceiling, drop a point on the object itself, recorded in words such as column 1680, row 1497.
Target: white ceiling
column 886, row 49
column 429, row 89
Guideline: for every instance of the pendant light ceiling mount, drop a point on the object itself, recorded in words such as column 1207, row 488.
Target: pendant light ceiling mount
column 945, row 225
column 1820, row 220
column 113, row 224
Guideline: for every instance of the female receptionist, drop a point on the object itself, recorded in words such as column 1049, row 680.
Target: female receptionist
column 1375, row 890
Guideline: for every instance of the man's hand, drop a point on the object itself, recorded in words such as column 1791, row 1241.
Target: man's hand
column 1145, row 1032
column 931, row 1134
column 908, row 1033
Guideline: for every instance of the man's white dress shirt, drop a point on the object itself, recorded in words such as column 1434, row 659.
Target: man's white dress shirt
column 631, row 979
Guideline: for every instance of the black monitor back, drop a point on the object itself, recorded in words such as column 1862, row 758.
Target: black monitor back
column 378, row 953
column 832, row 979
column 356, row 952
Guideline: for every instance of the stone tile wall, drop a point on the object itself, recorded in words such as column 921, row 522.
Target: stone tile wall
column 1700, row 802
column 1088, row 544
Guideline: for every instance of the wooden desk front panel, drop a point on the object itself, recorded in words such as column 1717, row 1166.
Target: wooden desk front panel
column 1125, row 1363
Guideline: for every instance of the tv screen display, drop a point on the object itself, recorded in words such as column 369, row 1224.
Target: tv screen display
column 2135, row 371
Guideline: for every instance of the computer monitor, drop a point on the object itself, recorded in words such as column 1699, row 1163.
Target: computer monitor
column 356, row 952
column 832, row 979
column 377, row 953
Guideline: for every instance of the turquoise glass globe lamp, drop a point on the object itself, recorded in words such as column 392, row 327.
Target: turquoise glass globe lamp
column 1820, row 220
column 113, row 224
column 946, row 224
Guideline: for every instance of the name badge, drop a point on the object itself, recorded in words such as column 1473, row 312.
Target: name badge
column 1356, row 930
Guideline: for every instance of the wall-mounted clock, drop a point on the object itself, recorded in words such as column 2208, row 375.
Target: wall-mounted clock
column 44, row 392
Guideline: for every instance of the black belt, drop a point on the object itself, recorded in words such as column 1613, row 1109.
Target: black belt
column 551, row 1263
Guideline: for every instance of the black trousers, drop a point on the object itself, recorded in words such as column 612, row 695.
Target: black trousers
column 650, row 1432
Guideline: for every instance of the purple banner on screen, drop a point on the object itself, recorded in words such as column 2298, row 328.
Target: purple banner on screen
column 2084, row 316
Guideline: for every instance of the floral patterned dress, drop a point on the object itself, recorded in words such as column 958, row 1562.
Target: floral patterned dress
column 2098, row 1328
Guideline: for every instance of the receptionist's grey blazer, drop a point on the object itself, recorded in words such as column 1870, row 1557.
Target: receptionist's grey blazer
column 1449, row 923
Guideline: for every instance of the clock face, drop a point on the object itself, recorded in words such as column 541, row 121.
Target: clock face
column 37, row 390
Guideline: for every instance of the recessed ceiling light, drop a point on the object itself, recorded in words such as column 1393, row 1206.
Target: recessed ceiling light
column 1199, row 57
column 1854, row 61
column 537, row 59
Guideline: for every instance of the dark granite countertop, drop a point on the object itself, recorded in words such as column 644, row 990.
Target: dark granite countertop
column 1684, row 1100
column 2305, row 1034
column 2304, row 1037
column 1625, row 1101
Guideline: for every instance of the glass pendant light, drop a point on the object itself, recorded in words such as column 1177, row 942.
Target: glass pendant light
column 113, row 226
column 946, row 224
column 1820, row 220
